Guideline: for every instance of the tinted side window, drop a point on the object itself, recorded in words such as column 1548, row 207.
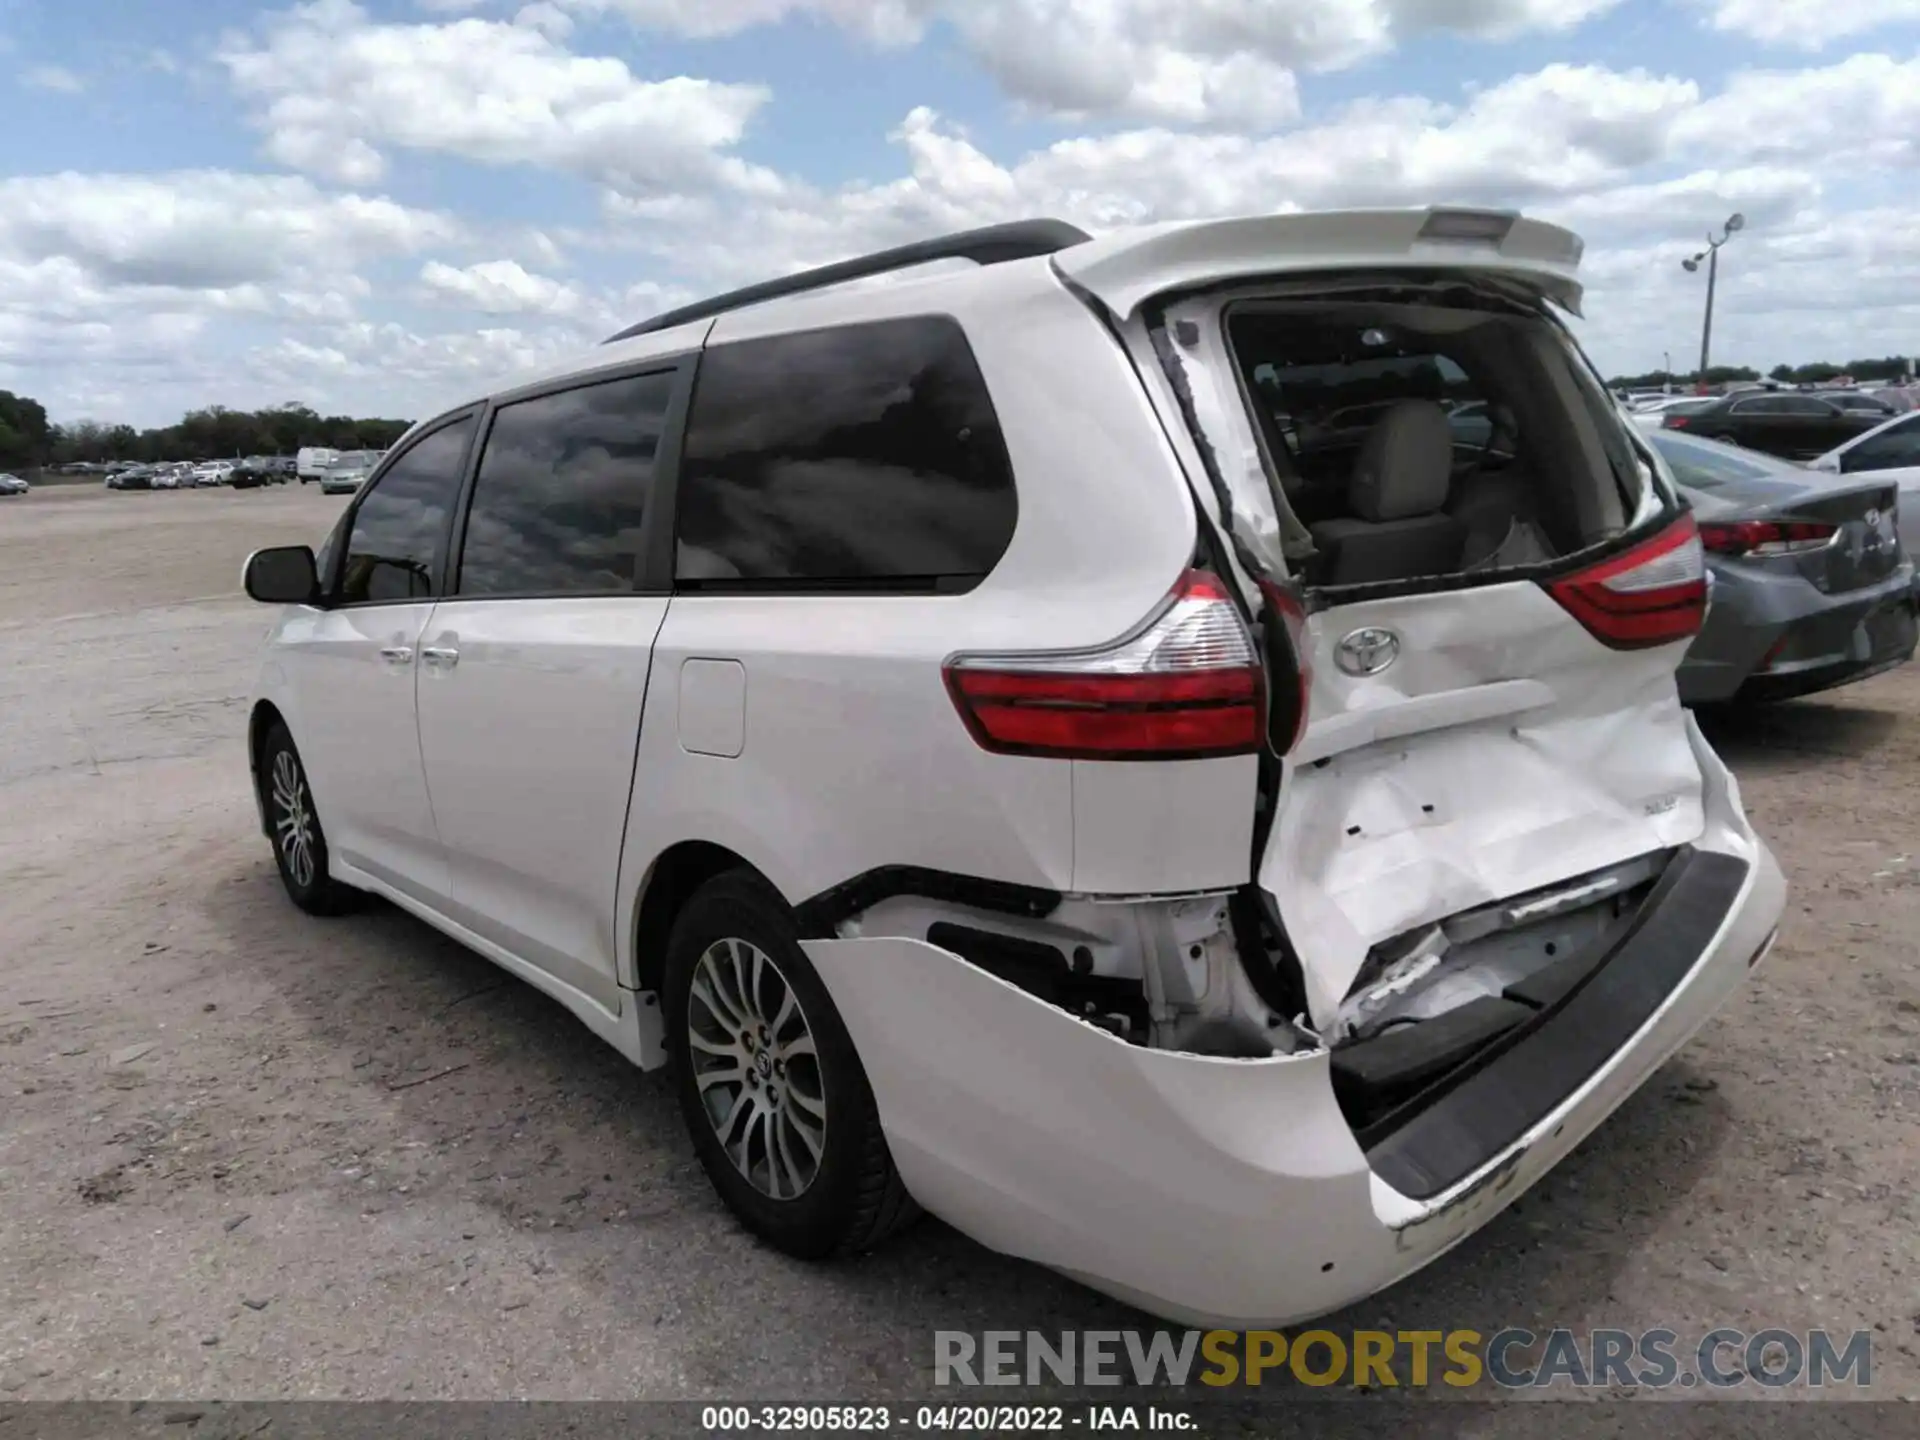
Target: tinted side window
column 1896, row 447
column 562, row 488
column 1765, row 405
column 865, row 457
column 396, row 531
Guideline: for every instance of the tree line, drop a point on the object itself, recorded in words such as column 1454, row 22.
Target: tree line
column 1820, row 372
column 28, row 440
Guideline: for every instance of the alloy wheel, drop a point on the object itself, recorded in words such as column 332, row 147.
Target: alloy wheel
column 293, row 818
column 756, row 1068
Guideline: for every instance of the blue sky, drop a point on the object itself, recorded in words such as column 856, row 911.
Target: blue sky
column 383, row 206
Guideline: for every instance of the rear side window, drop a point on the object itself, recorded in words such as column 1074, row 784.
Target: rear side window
column 866, row 457
column 1706, row 464
column 562, row 489
column 395, row 540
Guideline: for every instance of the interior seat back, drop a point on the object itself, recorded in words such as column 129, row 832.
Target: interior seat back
column 1398, row 528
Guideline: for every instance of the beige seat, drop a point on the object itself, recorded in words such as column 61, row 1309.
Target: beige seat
column 1398, row 528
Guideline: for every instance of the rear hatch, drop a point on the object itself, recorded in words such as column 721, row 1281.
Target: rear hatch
column 1502, row 726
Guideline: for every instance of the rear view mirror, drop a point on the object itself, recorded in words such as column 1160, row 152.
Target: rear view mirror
column 1829, row 463
column 282, row 575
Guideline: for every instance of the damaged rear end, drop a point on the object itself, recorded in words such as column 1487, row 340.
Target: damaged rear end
column 1491, row 875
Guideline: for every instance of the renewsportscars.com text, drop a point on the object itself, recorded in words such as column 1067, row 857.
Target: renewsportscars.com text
column 1512, row 1358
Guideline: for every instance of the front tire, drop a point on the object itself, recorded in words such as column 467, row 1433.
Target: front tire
column 772, row 1090
column 299, row 844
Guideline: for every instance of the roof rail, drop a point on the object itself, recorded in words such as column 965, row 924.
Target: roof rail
column 1015, row 240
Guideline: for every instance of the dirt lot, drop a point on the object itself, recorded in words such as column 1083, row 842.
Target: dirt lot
column 247, row 1153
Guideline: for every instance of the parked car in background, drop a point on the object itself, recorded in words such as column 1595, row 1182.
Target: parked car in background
column 311, row 462
column 876, row 709
column 1786, row 424
column 345, row 476
column 255, row 471
column 213, row 472
column 1654, row 415
column 1812, row 586
column 1891, row 452
column 1860, row 400
column 137, row 477
column 13, row 485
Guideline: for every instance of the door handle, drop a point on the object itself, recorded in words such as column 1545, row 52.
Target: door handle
column 397, row 654
column 445, row 655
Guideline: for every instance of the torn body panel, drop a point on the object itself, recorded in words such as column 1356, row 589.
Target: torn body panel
column 1505, row 750
column 1209, row 1190
column 1156, row 971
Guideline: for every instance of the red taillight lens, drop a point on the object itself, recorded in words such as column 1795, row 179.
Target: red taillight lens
column 1767, row 537
column 1187, row 685
column 1654, row 594
column 1674, row 422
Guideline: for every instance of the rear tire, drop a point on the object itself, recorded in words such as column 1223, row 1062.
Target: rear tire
column 299, row 844
column 772, row 1090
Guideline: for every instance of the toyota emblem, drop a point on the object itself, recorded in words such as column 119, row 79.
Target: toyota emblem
column 1367, row 651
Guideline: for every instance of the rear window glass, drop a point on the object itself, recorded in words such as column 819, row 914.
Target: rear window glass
column 1479, row 436
column 863, row 457
column 1706, row 464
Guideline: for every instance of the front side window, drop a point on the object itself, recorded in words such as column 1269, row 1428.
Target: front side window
column 863, row 457
column 562, row 490
column 392, row 547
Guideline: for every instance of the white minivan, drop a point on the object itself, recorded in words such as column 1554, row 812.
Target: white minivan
column 1077, row 741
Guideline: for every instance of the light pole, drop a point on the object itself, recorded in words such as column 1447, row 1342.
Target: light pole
column 1712, row 256
column 1666, row 368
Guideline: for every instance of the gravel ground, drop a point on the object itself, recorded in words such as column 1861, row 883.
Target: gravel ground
column 244, row 1153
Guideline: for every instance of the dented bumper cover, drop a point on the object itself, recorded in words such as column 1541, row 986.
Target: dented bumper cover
column 1217, row 1191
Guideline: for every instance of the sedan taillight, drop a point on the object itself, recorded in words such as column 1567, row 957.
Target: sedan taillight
column 1653, row 594
column 1767, row 537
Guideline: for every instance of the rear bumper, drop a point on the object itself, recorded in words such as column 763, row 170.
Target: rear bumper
column 1770, row 637
column 1232, row 1192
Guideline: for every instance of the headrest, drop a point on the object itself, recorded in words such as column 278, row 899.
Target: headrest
column 1405, row 465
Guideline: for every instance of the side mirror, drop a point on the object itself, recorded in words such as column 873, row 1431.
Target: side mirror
column 1828, row 463
column 282, row 575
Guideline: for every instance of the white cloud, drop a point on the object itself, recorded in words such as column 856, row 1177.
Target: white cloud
column 1564, row 130
column 207, row 229
column 1182, row 62
column 56, row 78
column 336, row 91
column 1806, row 24
column 183, row 289
column 499, row 287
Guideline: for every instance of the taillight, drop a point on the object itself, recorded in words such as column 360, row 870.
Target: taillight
column 1653, row 594
column 1674, row 422
column 1186, row 685
column 1767, row 537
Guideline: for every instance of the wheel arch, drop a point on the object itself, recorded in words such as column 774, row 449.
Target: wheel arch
column 680, row 870
column 264, row 717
